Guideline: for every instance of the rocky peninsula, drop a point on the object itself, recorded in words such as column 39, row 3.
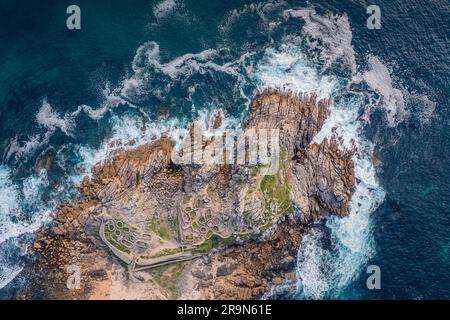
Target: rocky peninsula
column 148, row 227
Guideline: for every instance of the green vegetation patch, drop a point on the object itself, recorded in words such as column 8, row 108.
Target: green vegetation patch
column 167, row 277
column 109, row 237
column 160, row 229
column 162, row 253
column 191, row 213
column 197, row 203
column 164, row 232
column 214, row 242
column 173, row 170
column 276, row 191
column 248, row 217
column 255, row 169
column 138, row 178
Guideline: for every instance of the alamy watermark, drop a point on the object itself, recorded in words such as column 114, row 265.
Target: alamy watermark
column 374, row 20
column 374, row 280
column 73, row 22
column 74, row 278
column 252, row 147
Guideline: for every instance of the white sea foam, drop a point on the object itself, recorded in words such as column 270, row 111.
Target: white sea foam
column 94, row 114
column 164, row 8
column 8, row 273
column 14, row 222
column 126, row 129
column 13, row 198
column 311, row 259
column 205, row 120
column 379, row 79
column 111, row 99
column 330, row 35
column 147, row 64
column 287, row 68
column 155, row 76
column 26, row 148
column 9, row 194
column 334, row 33
column 48, row 119
column 148, row 54
column 51, row 120
column 32, row 189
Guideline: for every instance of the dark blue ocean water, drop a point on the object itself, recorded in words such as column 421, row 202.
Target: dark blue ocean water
column 159, row 64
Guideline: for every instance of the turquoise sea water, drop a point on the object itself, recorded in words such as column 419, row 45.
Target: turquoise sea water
column 64, row 95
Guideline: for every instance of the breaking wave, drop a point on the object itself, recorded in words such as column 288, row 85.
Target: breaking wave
column 16, row 200
column 287, row 68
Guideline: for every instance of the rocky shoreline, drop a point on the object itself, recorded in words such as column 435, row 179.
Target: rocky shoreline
column 313, row 181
